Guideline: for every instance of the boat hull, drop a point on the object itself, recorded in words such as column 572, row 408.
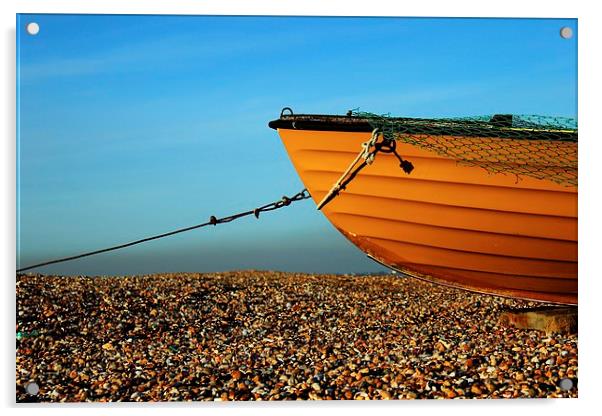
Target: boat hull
column 446, row 223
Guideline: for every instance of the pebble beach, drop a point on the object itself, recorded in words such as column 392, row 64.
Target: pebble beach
column 260, row 335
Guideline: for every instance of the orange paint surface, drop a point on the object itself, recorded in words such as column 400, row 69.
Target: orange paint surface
column 445, row 222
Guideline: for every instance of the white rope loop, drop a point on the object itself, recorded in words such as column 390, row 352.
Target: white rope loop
column 368, row 155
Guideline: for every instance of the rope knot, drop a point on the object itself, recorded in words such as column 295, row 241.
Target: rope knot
column 368, row 155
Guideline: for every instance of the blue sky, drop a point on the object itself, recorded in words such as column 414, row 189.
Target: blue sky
column 130, row 126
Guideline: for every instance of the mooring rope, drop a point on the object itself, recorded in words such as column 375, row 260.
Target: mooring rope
column 285, row 201
column 368, row 153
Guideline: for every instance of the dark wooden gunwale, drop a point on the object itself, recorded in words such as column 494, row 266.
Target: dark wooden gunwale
column 418, row 126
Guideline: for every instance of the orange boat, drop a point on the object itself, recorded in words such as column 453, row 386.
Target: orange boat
column 488, row 205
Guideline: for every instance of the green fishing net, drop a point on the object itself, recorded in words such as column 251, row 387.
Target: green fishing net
column 540, row 147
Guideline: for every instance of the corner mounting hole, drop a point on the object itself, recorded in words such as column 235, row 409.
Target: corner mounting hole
column 32, row 388
column 566, row 32
column 33, row 28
